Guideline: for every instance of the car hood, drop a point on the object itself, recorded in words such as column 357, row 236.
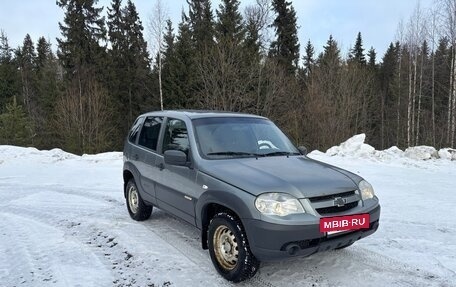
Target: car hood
column 297, row 175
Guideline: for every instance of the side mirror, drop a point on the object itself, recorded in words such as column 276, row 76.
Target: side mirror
column 302, row 150
column 175, row 157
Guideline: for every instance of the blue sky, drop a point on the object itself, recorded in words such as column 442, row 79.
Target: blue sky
column 317, row 19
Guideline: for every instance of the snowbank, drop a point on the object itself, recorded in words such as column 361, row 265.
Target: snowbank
column 356, row 147
column 447, row 153
column 10, row 153
column 421, row 152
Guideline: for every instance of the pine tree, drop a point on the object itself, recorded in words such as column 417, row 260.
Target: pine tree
column 116, row 30
column 331, row 54
column 9, row 77
column 47, row 76
column 169, row 64
column 252, row 42
column 388, row 98
column 286, row 46
column 308, row 58
column 26, row 58
column 442, row 79
column 201, row 22
column 43, row 53
column 357, row 53
column 83, row 58
column 183, row 68
column 202, row 32
column 168, row 40
column 14, row 126
column 83, row 31
column 138, row 59
column 372, row 58
column 229, row 26
column 118, row 70
column 47, row 91
column 129, row 64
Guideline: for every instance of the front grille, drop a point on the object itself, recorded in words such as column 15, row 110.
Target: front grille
column 332, row 196
column 326, row 204
column 335, row 209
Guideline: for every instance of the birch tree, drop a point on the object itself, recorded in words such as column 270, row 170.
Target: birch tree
column 432, row 36
column 448, row 24
column 414, row 37
column 400, row 40
column 157, row 25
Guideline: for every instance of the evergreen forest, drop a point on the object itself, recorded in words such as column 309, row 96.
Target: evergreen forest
column 83, row 93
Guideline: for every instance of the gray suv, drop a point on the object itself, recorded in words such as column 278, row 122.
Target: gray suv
column 252, row 193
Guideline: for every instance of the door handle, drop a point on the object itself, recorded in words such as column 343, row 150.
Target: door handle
column 161, row 166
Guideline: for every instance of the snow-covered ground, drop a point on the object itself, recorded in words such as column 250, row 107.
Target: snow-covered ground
column 63, row 222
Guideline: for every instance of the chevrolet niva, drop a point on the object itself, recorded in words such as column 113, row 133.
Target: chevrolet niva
column 237, row 178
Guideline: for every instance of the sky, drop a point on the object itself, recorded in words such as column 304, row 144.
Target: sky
column 377, row 20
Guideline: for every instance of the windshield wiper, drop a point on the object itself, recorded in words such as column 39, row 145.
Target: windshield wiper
column 279, row 153
column 233, row 153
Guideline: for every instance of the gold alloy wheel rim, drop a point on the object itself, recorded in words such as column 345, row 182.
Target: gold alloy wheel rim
column 225, row 247
column 133, row 199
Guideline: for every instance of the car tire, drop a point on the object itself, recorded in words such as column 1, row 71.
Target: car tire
column 136, row 206
column 229, row 248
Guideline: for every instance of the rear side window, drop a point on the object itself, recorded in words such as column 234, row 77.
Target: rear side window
column 176, row 136
column 150, row 132
column 135, row 130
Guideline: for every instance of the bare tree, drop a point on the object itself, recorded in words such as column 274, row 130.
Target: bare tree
column 157, row 23
column 226, row 78
column 89, row 133
column 448, row 16
column 259, row 16
column 423, row 32
column 414, row 37
column 432, row 35
column 400, row 39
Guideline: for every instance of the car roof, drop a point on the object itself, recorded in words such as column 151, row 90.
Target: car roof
column 197, row 114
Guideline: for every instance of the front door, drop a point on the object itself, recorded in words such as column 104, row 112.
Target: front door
column 176, row 186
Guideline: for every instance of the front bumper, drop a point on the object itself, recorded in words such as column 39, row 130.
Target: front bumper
column 269, row 241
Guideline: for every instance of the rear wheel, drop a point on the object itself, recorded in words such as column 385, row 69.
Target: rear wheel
column 137, row 208
column 229, row 248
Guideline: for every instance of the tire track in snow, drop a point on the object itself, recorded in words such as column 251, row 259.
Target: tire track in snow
column 98, row 227
column 15, row 255
column 181, row 237
column 39, row 254
column 99, row 234
column 354, row 266
column 96, row 237
column 186, row 239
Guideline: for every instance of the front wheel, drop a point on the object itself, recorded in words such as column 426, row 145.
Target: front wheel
column 137, row 208
column 229, row 248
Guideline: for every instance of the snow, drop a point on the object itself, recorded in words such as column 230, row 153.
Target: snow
column 421, row 152
column 63, row 222
column 354, row 146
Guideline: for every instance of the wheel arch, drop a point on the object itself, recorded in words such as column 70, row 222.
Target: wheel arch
column 127, row 175
column 219, row 201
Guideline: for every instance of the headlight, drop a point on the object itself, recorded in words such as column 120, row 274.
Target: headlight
column 280, row 204
column 366, row 190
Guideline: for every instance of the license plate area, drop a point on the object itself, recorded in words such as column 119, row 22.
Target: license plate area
column 339, row 224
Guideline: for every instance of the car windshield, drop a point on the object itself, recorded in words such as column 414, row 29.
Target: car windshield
column 234, row 137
